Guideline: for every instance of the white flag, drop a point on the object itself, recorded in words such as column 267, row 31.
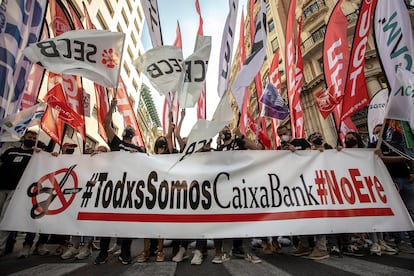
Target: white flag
column 401, row 101
column 16, row 124
column 195, row 73
column 392, row 30
column 93, row 54
column 163, row 66
column 226, row 51
column 254, row 62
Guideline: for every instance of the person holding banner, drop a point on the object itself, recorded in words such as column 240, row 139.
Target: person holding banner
column 240, row 142
column 116, row 144
column 290, row 143
column 163, row 145
column 398, row 163
column 13, row 163
column 319, row 251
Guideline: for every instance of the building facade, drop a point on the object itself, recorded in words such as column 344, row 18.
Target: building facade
column 316, row 14
column 128, row 17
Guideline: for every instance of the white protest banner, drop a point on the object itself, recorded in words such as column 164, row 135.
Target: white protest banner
column 163, row 67
column 195, row 73
column 208, row 195
column 93, row 54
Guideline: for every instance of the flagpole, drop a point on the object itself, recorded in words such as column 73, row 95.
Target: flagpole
column 338, row 131
column 120, row 65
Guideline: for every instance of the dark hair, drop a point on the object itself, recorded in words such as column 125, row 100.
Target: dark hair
column 282, row 127
column 358, row 138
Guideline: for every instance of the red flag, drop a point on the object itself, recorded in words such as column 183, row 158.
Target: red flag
column 72, row 86
column 336, row 60
column 289, row 62
column 102, row 102
column 336, row 55
column 242, row 58
column 202, row 100
column 356, row 92
column 298, row 115
column 325, row 101
column 56, row 99
column 125, row 108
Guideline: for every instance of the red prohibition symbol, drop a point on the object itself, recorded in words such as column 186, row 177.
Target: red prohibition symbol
column 48, row 189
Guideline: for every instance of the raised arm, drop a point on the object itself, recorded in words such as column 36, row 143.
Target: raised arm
column 170, row 132
column 110, row 133
column 178, row 130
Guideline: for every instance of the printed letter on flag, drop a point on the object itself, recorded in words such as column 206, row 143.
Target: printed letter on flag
column 226, row 51
column 392, row 28
column 356, row 92
column 195, row 72
column 92, row 54
column 163, row 67
column 254, row 62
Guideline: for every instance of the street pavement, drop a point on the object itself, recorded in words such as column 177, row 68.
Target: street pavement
column 276, row 264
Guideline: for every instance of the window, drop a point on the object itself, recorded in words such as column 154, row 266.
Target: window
column 130, row 53
column 126, row 68
column 136, row 26
column 135, row 84
column 319, row 34
column 102, row 21
column 109, row 7
column 134, row 40
column 271, row 25
column 125, row 17
column 129, row 5
column 275, row 45
column 119, row 28
column 314, row 7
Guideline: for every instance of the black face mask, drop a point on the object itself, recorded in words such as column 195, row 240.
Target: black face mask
column 227, row 136
column 318, row 141
column 160, row 144
column 70, row 151
column 29, row 143
column 349, row 143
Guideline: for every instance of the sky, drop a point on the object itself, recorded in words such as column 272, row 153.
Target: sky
column 214, row 13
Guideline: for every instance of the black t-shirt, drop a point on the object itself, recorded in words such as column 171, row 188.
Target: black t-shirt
column 236, row 144
column 117, row 145
column 298, row 143
column 14, row 161
column 395, row 139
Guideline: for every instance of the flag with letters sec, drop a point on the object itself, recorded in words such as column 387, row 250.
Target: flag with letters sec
column 93, row 54
column 163, row 67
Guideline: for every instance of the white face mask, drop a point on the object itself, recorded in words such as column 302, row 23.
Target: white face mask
column 285, row 138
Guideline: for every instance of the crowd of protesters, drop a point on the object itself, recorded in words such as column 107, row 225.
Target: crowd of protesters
column 15, row 159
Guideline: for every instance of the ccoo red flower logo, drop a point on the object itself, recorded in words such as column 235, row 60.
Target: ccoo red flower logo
column 110, row 58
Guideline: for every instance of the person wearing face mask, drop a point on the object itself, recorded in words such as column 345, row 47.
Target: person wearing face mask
column 239, row 246
column 393, row 144
column 353, row 140
column 116, row 144
column 13, row 162
column 317, row 141
column 290, row 143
